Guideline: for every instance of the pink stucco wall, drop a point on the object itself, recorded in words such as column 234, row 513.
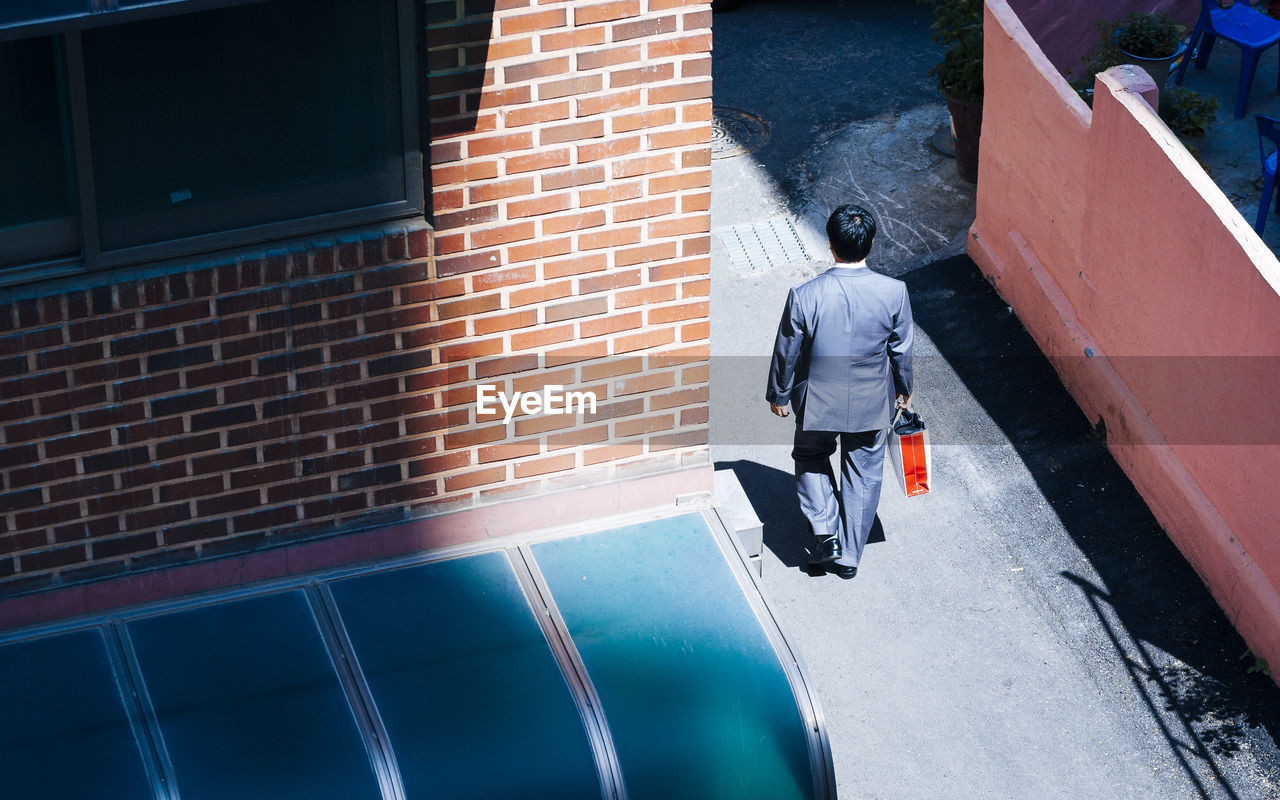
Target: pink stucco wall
column 1106, row 236
column 1068, row 30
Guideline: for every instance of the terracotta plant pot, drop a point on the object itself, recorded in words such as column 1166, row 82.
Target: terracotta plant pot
column 966, row 126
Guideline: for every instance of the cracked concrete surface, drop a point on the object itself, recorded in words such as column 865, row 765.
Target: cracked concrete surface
column 887, row 166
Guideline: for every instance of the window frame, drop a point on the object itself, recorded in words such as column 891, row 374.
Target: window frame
column 92, row 257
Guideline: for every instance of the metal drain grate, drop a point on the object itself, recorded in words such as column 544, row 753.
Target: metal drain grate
column 760, row 245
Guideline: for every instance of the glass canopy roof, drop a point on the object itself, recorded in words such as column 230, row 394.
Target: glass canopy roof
column 639, row 662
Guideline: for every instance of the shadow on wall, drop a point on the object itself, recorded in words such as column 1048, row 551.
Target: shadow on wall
column 456, row 50
column 1068, row 31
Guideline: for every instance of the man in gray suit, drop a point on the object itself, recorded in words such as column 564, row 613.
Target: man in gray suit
column 842, row 356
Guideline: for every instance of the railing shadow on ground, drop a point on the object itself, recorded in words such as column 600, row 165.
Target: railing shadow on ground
column 1159, row 617
column 1204, row 720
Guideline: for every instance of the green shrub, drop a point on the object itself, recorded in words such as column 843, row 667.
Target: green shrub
column 1149, row 35
column 957, row 24
column 1187, row 112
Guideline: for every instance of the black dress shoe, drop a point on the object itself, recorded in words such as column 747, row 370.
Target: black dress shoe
column 843, row 571
column 828, row 549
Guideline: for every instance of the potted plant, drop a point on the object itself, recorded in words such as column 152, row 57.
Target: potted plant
column 1188, row 113
column 1151, row 41
column 957, row 24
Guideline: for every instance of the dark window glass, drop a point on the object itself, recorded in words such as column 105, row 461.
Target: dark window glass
column 473, row 701
column 65, row 733
column 244, row 116
column 33, row 10
column 250, row 705
column 131, row 3
column 698, row 703
column 37, row 199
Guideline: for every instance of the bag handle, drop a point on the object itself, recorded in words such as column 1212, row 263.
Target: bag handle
column 906, row 421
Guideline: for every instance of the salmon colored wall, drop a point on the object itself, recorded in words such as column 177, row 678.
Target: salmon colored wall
column 1068, row 31
column 1109, row 239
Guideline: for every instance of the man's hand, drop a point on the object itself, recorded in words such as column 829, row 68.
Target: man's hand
column 904, row 401
column 780, row 411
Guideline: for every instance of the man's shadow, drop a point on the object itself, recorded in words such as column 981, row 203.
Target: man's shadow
column 772, row 493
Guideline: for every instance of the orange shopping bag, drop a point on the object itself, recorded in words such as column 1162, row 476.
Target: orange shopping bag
column 910, row 453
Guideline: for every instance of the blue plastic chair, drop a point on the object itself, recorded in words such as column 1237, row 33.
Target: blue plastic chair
column 1269, row 129
column 1252, row 30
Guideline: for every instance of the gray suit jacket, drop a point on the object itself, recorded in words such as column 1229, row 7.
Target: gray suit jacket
column 843, row 351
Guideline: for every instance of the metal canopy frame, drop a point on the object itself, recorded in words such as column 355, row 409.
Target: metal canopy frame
column 148, row 736
column 820, row 759
column 536, row 591
column 141, row 713
column 356, row 687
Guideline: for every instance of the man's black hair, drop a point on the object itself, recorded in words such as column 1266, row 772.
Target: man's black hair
column 851, row 230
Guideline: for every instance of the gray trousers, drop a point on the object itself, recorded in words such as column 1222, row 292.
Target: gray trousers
column 862, row 467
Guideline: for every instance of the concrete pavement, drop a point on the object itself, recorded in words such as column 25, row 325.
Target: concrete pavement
column 1027, row 630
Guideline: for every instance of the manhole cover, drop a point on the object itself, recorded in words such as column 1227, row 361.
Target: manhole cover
column 735, row 132
column 760, row 245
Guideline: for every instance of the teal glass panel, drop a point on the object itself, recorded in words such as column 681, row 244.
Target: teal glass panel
column 65, row 734
column 473, row 701
column 696, row 698
column 243, row 116
column 249, row 703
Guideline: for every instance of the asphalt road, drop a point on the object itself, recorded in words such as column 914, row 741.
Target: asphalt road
column 1026, row 630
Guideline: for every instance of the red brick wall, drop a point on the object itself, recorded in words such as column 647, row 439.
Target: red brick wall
column 299, row 393
column 572, row 187
column 209, row 411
